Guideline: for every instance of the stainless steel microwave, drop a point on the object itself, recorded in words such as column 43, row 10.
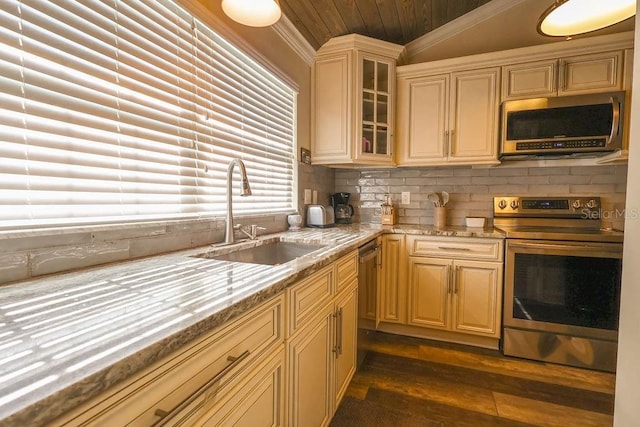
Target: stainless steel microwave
column 562, row 125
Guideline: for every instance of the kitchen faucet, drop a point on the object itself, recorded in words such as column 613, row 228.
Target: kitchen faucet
column 246, row 191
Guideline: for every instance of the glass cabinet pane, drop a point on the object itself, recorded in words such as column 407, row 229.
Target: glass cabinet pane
column 368, row 74
column 367, row 138
column 383, row 77
column 381, row 108
column 368, row 99
column 381, row 140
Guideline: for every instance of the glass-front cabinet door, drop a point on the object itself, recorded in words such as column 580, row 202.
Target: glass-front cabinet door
column 375, row 127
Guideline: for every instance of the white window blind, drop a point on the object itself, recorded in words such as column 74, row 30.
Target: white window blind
column 115, row 111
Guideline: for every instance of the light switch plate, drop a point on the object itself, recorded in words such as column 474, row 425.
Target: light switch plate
column 307, row 196
column 406, row 197
column 315, row 197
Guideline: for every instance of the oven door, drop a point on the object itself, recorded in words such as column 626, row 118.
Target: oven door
column 570, row 288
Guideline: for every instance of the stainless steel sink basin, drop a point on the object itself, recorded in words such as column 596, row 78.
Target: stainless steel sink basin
column 272, row 253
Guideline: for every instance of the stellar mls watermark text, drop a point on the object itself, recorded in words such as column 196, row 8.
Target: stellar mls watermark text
column 633, row 213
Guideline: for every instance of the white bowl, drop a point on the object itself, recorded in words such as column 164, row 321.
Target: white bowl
column 475, row 221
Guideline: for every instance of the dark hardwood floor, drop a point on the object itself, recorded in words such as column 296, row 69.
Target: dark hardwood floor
column 411, row 382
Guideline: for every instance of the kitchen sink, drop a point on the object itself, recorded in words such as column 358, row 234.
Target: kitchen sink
column 271, row 253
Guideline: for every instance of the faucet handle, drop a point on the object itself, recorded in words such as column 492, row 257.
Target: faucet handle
column 237, row 226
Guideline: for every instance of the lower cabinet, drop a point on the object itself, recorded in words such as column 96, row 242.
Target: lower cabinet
column 204, row 382
column 392, row 279
column 461, row 296
column 442, row 287
column 310, row 362
column 255, row 401
column 321, row 352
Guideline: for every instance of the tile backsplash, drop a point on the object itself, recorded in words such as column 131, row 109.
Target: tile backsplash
column 27, row 255
column 472, row 190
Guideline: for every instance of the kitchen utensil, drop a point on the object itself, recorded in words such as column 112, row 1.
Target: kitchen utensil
column 445, row 198
column 434, row 198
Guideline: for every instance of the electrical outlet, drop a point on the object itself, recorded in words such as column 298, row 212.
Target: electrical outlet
column 307, row 196
column 315, row 197
column 406, row 197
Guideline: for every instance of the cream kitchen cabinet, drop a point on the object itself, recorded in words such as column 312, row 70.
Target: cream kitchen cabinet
column 392, row 283
column 449, row 118
column 461, row 296
column 353, row 101
column 321, row 351
column 199, row 381
column 589, row 73
column 455, row 284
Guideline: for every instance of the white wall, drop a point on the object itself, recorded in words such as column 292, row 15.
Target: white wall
column 627, row 400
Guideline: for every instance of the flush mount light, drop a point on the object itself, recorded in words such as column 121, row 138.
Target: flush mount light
column 254, row 13
column 571, row 17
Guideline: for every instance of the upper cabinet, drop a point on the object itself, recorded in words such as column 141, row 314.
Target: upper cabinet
column 448, row 118
column 448, row 110
column 598, row 72
column 353, row 101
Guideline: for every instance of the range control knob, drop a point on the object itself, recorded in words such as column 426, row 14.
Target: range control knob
column 514, row 204
column 577, row 204
column 592, row 204
column 502, row 204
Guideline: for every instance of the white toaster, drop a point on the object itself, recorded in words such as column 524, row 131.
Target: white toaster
column 320, row 216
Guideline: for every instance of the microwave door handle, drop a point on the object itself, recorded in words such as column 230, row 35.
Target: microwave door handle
column 615, row 126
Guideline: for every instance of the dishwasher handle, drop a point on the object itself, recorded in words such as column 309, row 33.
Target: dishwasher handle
column 369, row 253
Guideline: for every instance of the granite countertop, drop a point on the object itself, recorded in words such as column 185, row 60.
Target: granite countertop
column 67, row 338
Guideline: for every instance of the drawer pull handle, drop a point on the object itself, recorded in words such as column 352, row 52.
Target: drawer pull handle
column 453, row 248
column 166, row 416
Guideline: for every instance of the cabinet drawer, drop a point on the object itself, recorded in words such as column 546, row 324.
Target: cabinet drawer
column 456, row 247
column 216, row 359
column 346, row 270
column 308, row 296
column 253, row 399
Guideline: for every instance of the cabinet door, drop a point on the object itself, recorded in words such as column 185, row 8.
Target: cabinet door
column 332, row 104
column 423, row 108
column 310, row 361
column 429, row 292
column 473, row 132
column 375, row 110
column 591, row 73
column 346, row 310
column 529, row 80
column 477, row 298
column 393, row 287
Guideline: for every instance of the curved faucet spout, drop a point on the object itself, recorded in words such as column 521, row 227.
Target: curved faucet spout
column 246, row 191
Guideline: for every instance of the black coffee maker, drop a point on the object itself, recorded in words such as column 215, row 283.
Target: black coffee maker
column 341, row 207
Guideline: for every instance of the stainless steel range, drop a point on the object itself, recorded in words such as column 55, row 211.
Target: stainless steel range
column 562, row 280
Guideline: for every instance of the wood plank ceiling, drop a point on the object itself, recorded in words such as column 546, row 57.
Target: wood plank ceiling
column 396, row 21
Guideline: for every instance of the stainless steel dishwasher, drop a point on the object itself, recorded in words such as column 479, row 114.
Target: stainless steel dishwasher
column 368, row 287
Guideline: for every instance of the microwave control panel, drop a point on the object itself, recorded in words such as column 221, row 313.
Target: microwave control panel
column 555, row 145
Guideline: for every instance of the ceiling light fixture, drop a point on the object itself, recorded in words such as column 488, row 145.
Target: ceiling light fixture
column 572, row 17
column 254, row 13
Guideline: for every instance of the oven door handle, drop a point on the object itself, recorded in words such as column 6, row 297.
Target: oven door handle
column 564, row 247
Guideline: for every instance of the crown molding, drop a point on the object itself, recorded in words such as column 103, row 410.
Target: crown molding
column 458, row 25
column 357, row 41
column 292, row 37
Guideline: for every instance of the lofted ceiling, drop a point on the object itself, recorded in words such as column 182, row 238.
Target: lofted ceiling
column 396, row 21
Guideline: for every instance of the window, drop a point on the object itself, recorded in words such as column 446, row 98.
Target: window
column 131, row 110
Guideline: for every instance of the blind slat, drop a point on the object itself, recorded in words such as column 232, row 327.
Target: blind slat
column 131, row 110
